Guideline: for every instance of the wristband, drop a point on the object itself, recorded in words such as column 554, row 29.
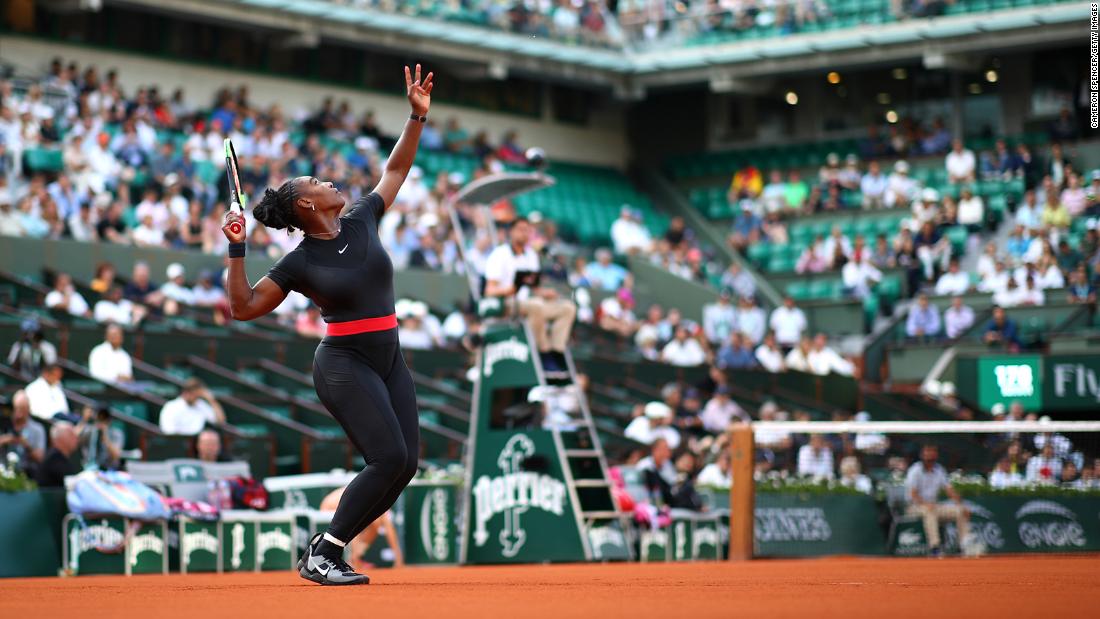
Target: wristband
column 236, row 250
column 420, row 119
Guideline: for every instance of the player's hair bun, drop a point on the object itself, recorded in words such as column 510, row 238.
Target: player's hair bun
column 276, row 208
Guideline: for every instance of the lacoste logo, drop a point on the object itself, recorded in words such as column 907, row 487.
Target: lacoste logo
column 342, row 250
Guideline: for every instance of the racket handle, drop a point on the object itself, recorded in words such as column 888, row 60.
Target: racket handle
column 235, row 227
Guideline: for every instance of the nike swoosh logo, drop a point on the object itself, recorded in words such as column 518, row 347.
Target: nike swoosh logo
column 342, row 250
column 320, row 566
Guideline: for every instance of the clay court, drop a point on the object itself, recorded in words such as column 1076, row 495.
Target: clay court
column 1050, row 586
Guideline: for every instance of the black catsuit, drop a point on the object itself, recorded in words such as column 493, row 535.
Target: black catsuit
column 361, row 379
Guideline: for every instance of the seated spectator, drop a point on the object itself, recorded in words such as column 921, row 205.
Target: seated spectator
column 924, row 319
column 1049, row 275
column 752, row 322
column 736, row 354
column 995, row 280
column 859, row 277
column 147, row 234
column 512, row 272
column 32, row 351
column 140, row 289
column 927, row 208
column 47, row 396
column 776, row 444
column 954, row 281
column 414, row 334
column 815, row 459
column 100, row 443
column 1029, row 294
column 720, row 411
column 1004, row 476
column 112, row 308
column 769, row 355
column 873, row 187
column 850, row 177
column 603, row 273
column 58, row 463
column 189, row 413
column 617, row 313
column 629, row 234
column 747, row 182
column 683, row 350
column 823, row 360
column 1081, row 290
column 1054, row 213
column 971, row 210
column 176, row 289
column 738, row 281
column 900, row 188
column 717, row 474
column 208, row 447
column 64, row 297
column 1068, row 475
column 22, row 436
column 957, row 319
column 796, row 192
column 1001, row 330
column 851, row 477
column 719, row 319
column 1074, row 197
column 1045, row 467
column 813, row 258
column 882, row 256
column 798, row 358
column 933, row 250
column 788, row 322
column 108, row 362
column 104, row 277
column 774, row 195
column 747, row 227
column 960, row 163
column 653, row 422
column 205, row 293
column 923, row 482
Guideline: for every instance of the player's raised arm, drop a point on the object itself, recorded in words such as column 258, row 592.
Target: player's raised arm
column 401, row 158
column 246, row 301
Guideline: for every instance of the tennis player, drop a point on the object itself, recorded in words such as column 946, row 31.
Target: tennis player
column 358, row 370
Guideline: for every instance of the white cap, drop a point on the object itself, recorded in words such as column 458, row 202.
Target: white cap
column 658, row 410
column 901, row 166
column 175, row 270
column 427, row 220
column 402, row 308
column 863, row 416
column 416, row 172
column 929, row 195
column 933, row 388
column 998, row 409
column 456, row 178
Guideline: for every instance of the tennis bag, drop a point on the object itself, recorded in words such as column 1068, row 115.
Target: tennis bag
column 102, row 493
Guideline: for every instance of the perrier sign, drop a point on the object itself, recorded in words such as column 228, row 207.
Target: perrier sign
column 518, row 508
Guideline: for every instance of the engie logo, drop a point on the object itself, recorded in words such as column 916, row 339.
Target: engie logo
column 1049, row 524
column 435, row 527
column 984, row 529
column 1015, row 381
column 511, row 348
column 513, row 493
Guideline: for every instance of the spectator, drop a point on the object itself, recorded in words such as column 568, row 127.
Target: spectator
column 747, row 227
column 64, row 297
column 859, row 277
column 112, row 308
column 604, row 273
column 924, row 319
column 924, row 481
column 719, row 319
column 954, row 281
column 851, row 477
column 208, row 447
column 769, row 355
column 176, row 289
column 101, row 444
column 773, row 197
column 22, row 436
column 776, row 444
column 873, row 187
column 813, row 258
column 108, row 362
column 1029, row 213
column 789, row 323
column 104, row 277
column 736, row 354
column 882, row 256
column 47, row 396
column 960, row 163
column 900, row 188
column 738, row 281
column 1081, row 290
column 720, row 411
column 58, row 463
column 651, row 423
column 1045, row 467
column 798, row 358
column 206, row 294
column 796, row 192
column 628, row 234
column 189, row 413
column 140, row 289
column 717, row 474
column 926, row 209
column 32, row 351
column 824, row 360
column 815, row 459
column 414, row 334
column 752, row 322
column 958, row 318
column 683, row 350
column 512, row 271
column 1001, row 331
column 1054, row 213
column 1003, row 476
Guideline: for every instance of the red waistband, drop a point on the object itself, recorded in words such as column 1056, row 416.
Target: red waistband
column 364, row 325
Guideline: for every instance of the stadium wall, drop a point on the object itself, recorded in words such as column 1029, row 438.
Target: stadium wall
column 602, row 142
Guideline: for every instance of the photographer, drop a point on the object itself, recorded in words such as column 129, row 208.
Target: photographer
column 100, row 444
column 23, row 436
column 32, row 352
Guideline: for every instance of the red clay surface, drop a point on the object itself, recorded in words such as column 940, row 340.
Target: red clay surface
column 1032, row 586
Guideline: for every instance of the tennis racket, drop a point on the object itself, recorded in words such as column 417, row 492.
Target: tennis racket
column 232, row 171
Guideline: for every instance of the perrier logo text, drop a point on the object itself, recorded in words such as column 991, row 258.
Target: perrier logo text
column 512, row 494
column 511, row 348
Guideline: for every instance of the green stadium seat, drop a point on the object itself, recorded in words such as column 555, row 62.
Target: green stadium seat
column 43, row 160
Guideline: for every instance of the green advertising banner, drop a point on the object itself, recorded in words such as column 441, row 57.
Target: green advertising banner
column 199, row 546
column 1066, row 382
column 1014, row 524
column 804, row 525
column 100, row 546
column 430, row 517
column 517, row 509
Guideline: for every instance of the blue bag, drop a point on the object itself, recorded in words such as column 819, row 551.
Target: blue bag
column 102, row 493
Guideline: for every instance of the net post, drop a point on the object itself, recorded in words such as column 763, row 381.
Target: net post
column 742, row 492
